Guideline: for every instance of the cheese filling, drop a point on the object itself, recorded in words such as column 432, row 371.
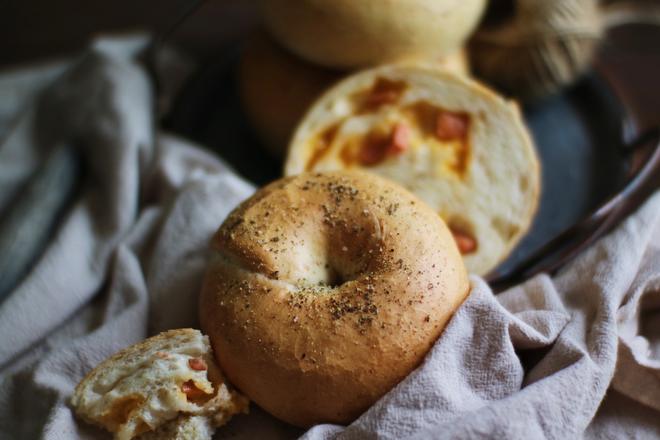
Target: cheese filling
column 378, row 129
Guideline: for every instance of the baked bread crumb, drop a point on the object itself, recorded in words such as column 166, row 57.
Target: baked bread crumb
column 166, row 387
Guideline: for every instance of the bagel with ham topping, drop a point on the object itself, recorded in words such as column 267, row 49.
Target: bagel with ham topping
column 454, row 143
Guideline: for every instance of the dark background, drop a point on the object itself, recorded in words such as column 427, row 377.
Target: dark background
column 38, row 29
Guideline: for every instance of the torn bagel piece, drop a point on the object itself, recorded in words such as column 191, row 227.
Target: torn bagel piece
column 457, row 145
column 166, row 387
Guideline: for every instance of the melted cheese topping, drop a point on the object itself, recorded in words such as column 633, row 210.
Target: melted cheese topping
column 366, row 123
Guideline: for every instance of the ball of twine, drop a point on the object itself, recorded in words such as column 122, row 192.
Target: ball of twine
column 543, row 46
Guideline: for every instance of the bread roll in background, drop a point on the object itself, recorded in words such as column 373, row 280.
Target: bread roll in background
column 167, row 387
column 350, row 34
column 276, row 87
column 326, row 290
column 454, row 143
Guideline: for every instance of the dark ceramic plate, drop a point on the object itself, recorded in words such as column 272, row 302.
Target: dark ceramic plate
column 584, row 138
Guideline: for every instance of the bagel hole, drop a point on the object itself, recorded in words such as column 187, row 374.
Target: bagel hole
column 336, row 271
column 333, row 277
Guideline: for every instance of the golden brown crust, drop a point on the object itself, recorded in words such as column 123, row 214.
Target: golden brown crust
column 535, row 174
column 326, row 291
column 276, row 88
column 351, row 34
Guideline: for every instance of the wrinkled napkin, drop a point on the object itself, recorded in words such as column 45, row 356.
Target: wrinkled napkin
column 575, row 355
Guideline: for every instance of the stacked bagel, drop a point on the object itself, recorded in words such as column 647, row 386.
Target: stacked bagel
column 328, row 286
column 384, row 87
column 328, row 269
column 308, row 45
column 380, row 87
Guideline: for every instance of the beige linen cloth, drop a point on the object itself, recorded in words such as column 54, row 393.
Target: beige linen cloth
column 573, row 356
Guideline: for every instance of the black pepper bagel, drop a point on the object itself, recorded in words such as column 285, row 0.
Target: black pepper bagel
column 326, row 290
